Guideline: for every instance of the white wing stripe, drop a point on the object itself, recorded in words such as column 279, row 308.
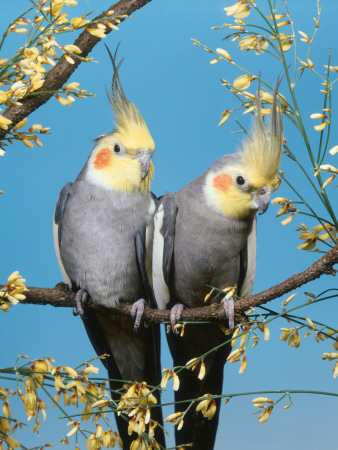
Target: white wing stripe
column 161, row 291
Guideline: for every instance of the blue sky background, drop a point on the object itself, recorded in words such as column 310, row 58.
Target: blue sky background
column 181, row 98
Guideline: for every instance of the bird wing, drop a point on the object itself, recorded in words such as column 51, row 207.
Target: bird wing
column 143, row 253
column 163, row 246
column 248, row 262
column 57, row 228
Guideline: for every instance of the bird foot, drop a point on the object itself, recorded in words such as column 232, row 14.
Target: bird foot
column 80, row 298
column 229, row 308
column 137, row 311
column 175, row 315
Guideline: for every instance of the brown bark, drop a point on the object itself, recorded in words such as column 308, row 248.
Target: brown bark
column 62, row 296
column 58, row 76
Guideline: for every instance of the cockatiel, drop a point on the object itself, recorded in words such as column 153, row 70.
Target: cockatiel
column 100, row 225
column 205, row 235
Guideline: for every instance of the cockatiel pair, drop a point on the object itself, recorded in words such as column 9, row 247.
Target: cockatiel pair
column 204, row 234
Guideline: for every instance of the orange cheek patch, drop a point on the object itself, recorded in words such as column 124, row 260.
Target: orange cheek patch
column 102, row 159
column 222, row 181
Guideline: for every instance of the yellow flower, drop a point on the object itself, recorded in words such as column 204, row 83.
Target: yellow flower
column 224, row 53
column 71, row 372
column 318, row 116
column 305, row 37
column 69, row 59
column 192, row 363
column 74, row 429
column 265, row 415
column 321, row 126
column 90, row 369
column 72, row 48
column 4, row 122
column 6, row 410
column 294, row 340
column 328, row 181
column 288, row 300
column 329, row 168
column 279, row 200
column 248, row 43
column 266, row 332
column 285, row 335
column 4, row 97
column 335, row 370
column 5, row 426
column 261, row 45
column 173, row 417
column 30, row 400
column 12, row 443
column 234, row 355
column 176, row 381
column 19, row 125
column 31, row 53
column 242, row 82
column 311, row 237
column 97, row 32
column 139, row 444
column 243, row 366
column 93, row 443
column 207, row 407
column 201, row 374
column 62, row 100
column 224, row 117
column 286, row 45
column 72, row 86
column 165, row 379
column 261, row 400
column 288, row 219
column 239, row 10
column 332, row 68
column 234, row 337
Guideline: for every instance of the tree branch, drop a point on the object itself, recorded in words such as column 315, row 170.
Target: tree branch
column 61, row 296
column 61, row 72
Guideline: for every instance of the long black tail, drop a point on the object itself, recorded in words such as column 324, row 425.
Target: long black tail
column 198, row 339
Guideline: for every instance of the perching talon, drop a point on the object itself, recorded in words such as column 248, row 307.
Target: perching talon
column 80, row 298
column 137, row 311
column 229, row 309
column 175, row 315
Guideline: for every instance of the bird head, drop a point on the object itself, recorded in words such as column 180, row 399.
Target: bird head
column 241, row 185
column 121, row 160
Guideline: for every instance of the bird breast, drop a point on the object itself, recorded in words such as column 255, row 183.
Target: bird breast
column 98, row 242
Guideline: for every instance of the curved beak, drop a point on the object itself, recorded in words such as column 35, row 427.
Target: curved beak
column 144, row 157
column 261, row 199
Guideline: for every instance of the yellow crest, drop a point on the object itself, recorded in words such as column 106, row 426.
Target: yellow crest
column 262, row 150
column 131, row 128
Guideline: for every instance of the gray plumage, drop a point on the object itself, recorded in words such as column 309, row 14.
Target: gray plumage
column 201, row 247
column 98, row 247
column 99, row 235
column 209, row 243
column 204, row 236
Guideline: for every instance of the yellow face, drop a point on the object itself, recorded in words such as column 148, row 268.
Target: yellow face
column 233, row 193
column 112, row 165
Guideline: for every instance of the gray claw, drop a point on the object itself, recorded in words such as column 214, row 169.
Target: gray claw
column 80, row 298
column 229, row 308
column 137, row 311
column 175, row 315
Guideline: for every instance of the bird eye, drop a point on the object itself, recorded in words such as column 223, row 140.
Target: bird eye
column 240, row 180
column 117, row 148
